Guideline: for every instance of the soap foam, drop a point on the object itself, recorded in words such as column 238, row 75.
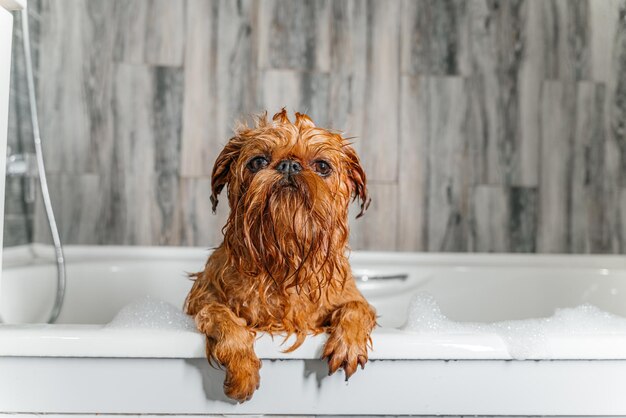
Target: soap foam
column 149, row 312
column 523, row 338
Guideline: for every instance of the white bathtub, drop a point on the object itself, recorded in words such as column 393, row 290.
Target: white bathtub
column 81, row 366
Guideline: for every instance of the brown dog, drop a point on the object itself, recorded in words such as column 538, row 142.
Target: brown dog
column 283, row 267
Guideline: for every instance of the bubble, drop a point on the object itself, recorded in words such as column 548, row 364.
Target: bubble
column 152, row 313
column 524, row 338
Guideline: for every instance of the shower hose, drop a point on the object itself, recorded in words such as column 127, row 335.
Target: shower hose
column 58, row 248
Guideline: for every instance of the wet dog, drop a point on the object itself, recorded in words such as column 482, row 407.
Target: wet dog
column 283, row 265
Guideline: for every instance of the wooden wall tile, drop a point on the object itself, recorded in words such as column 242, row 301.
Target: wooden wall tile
column 525, row 172
column 237, row 77
column 199, row 140
column 604, row 19
column 16, row 230
column 75, row 67
column 376, row 230
column 199, row 226
column 435, row 37
column 588, row 223
column 482, row 125
column 130, row 29
column 221, row 78
column 77, row 205
column 567, row 30
column 524, row 207
column 150, row 32
column 558, row 102
column 490, row 214
column 141, row 203
column 449, row 165
column 165, row 32
column 413, row 163
column 616, row 95
column 497, row 45
column 379, row 146
column 297, row 91
column 347, row 78
column 295, row 35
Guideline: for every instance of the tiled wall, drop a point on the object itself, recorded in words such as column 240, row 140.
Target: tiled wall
column 20, row 193
column 483, row 125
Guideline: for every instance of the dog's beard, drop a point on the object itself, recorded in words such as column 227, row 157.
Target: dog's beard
column 287, row 231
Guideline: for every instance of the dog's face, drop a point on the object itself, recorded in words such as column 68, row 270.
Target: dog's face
column 289, row 188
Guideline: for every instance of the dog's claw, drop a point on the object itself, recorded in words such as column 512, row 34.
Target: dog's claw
column 341, row 354
column 362, row 360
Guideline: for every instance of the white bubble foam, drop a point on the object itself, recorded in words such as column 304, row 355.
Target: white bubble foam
column 149, row 312
column 523, row 338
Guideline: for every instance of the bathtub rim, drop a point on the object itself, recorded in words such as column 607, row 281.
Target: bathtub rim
column 66, row 340
column 36, row 252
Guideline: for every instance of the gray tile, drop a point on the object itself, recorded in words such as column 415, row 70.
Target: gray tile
column 75, row 71
column 131, row 17
column 620, row 224
column 558, row 102
column 376, row 229
column 589, row 226
column 17, row 191
column 199, row 142
column 221, row 78
column 142, row 185
column 379, row 136
column 413, row 163
column 616, row 95
column 566, row 28
column 199, row 226
column 77, row 205
column 165, row 32
column 500, row 34
column 525, row 172
column 459, row 131
column 523, row 204
column 347, row 78
column 150, row 32
column 497, row 35
column 295, row 35
column 490, row 214
column 19, row 134
column 435, row 37
column 450, row 171
column 494, row 127
column 297, row 91
column 237, row 76
column 17, row 230
column 604, row 23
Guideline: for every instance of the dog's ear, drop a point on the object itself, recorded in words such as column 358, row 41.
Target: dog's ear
column 357, row 178
column 222, row 169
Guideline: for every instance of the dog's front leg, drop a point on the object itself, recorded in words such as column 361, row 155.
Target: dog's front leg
column 230, row 343
column 350, row 328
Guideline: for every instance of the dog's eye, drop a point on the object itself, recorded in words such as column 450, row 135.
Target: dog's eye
column 322, row 168
column 257, row 163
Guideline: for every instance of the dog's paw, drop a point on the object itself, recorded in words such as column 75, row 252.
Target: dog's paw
column 240, row 362
column 345, row 351
column 242, row 378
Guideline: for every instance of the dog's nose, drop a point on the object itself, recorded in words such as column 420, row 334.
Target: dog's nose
column 289, row 167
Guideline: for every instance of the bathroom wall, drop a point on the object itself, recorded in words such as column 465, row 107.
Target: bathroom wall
column 20, row 193
column 482, row 125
